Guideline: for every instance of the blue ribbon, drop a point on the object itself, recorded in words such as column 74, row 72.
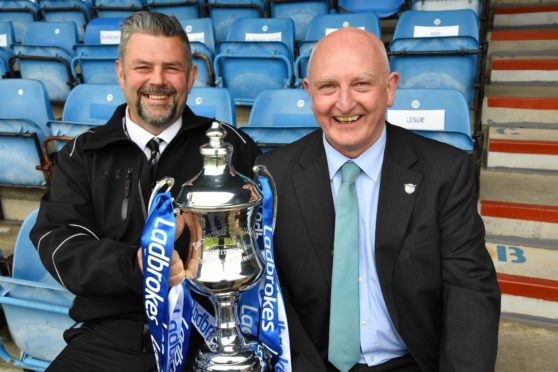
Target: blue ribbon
column 168, row 313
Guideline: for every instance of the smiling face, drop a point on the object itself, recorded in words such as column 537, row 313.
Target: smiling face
column 155, row 77
column 351, row 87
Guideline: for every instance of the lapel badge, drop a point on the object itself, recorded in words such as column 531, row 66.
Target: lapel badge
column 410, row 188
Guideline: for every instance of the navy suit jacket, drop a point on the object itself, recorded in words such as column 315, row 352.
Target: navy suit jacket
column 437, row 278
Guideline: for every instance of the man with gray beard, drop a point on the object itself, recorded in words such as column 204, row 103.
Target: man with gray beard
column 91, row 218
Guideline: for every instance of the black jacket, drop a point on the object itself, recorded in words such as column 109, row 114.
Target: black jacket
column 90, row 221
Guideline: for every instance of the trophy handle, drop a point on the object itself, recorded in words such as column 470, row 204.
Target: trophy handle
column 167, row 181
column 261, row 170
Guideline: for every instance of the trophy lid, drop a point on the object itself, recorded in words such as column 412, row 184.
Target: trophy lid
column 218, row 186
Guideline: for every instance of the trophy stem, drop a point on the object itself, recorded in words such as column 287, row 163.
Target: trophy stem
column 227, row 335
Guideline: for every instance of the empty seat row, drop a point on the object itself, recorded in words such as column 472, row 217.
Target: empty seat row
column 27, row 128
column 282, row 116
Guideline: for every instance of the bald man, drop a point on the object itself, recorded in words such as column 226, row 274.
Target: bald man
column 427, row 295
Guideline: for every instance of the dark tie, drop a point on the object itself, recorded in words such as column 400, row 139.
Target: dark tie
column 344, row 320
column 153, row 146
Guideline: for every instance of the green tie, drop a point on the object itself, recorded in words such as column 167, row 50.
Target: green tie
column 344, row 319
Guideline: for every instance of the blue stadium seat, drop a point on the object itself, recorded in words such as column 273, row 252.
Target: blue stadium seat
column 439, row 114
column 212, row 103
column 322, row 25
column 87, row 106
column 225, row 12
column 7, row 39
column 96, row 56
column 257, row 56
column 116, row 8
column 437, row 49
column 382, row 8
column 474, row 5
column 46, row 54
column 35, row 305
column 300, row 11
column 21, row 12
column 202, row 43
column 279, row 117
column 181, row 9
column 24, row 113
column 77, row 11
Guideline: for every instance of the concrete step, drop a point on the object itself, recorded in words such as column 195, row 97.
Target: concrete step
column 536, row 112
column 530, row 71
column 523, row 148
column 520, row 212
column 525, row 15
column 18, row 202
column 523, row 42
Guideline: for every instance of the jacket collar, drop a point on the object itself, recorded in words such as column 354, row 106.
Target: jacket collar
column 113, row 131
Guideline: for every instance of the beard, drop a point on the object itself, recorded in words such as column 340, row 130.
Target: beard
column 165, row 112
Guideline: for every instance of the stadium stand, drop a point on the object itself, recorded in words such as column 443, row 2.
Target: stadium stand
column 116, row 8
column 382, row 8
column 300, row 11
column 21, row 12
column 202, row 43
column 279, row 117
column 322, row 25
column 23, row 126
column 35, row 305
column 46, row 54
column 225, row 12
column 77, row 11
column 437, row 49
column 95, row 57
column 439, row 114
column 213, row 103
column 258, row 55
column 182, row 9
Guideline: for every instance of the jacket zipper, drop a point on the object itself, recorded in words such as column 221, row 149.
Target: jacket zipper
column 126, row 200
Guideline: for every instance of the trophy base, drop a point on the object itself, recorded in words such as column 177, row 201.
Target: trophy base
column 241, row 361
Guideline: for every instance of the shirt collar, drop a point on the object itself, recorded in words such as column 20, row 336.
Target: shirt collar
column 140, row 136
column 370, row 161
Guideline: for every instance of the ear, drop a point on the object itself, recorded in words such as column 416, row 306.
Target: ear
column 192, row 75
column 392, row 83
column 306, row 85
column 120, row 73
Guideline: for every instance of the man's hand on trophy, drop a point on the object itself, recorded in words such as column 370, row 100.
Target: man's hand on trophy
column 192, row 263
column 176, row 270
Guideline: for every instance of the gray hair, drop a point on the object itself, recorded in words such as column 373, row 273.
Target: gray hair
column 155, row 24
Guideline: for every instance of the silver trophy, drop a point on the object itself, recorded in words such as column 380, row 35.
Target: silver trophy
column 221, row 205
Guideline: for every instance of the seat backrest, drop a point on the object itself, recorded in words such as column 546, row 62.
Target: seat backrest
column 103, row 31
column 415, row 24
column 56, row 34
column 224, row 12
column 7, row 34
column 27, row 264
column 25, row 99
column 382, row 8
column 282, row 108
column 21, row 13
column 92, row 103
column 300, row 11
column 263, row 29
column 322, row 25
column 443, row 111
column 213, row 103
column 200, row 30
column 474, row 5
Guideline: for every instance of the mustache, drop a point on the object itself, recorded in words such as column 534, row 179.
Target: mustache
column 157, row 90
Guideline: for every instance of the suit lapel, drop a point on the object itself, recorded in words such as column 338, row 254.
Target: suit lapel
column 395, row 207
column 313, row 192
